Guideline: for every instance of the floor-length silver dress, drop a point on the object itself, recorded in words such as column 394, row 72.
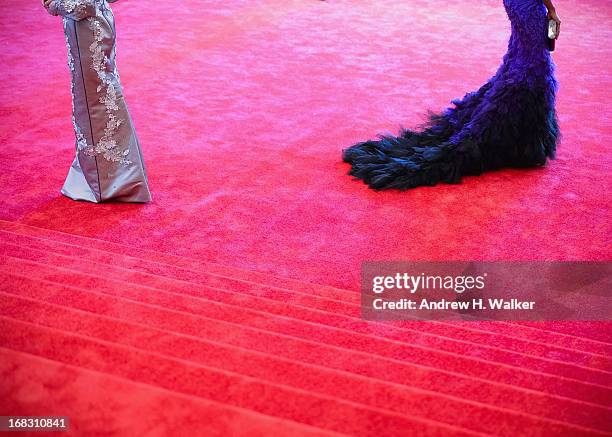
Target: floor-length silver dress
column 108, row 163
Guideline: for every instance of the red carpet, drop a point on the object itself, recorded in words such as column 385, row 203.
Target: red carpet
column 199, row 314
column 233, row 341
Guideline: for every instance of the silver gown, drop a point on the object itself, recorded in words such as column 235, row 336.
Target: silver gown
column 108, row 163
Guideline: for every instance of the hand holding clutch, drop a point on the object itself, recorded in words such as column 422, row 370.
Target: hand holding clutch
column 553, row 34
column 47, row 4
column 74, row 9
column 553, row 16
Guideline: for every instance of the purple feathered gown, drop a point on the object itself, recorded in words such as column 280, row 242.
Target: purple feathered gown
column 508, row 122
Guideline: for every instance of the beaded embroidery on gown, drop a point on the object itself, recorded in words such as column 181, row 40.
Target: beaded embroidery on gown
column 108, row 163
column 509, row 122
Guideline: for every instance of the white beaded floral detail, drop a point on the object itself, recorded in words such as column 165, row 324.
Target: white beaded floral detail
column 81, row 141
column 75, row 7
column 107, row 145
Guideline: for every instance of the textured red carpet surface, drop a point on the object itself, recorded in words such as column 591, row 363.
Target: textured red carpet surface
column 173, row 317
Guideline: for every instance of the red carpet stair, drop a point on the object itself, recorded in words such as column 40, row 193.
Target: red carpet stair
column 138, row 342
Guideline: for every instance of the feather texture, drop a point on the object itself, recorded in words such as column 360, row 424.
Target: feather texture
column 509, row 122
